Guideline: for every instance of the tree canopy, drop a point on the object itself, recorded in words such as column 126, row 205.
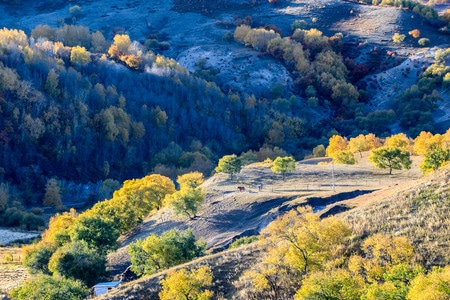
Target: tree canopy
column 156, row 253
column 390, row 158
column 230, row 164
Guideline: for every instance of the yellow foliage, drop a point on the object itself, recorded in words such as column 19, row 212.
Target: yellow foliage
column 435, row 285
column 57, row 232
column 421, row 143
column 363, row 143
column 146, row 193
column 79, row 55
column 187, row 285
column 336, row 143
column 311, row 241
column 398, row 141
column 190, row 180
column 381, row 252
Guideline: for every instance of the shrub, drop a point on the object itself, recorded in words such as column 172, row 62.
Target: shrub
column 398, row 38
column 47, row 287
column 243, row 241
column 423, row 42
column 156, row 253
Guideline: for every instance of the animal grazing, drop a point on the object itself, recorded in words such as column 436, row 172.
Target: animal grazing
column 241, row 188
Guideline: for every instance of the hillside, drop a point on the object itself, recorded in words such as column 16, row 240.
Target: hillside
column 404, row 204
column 184, row 89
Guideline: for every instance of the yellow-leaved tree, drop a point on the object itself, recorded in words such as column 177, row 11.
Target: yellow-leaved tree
column 296, row 243
column 400, row 141
column 381, row 253
column 187, row 285
column 190, row 196
column 337, row 149
column 434, row 285
column 363, row 143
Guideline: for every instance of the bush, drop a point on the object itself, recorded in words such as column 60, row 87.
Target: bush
column 398, row 38
column 424, row 42
column 47, row 287
column 243, row 241
column 75, row 260
column 156, row 253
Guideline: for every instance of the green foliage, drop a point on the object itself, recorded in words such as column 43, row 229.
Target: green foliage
column 335, row 284
column 283, row 165
column 435, row 158
column 298, row 24
column 344, row 157
column 243, row 241
column 99, row 234
column 187, row 285
column 392, row 158
column 77, row 261
column 47, row 287
column 230, row 164
column 156, row 253
column 423, row 42
column 319, row 151
column 187, row 201
column 37, row 257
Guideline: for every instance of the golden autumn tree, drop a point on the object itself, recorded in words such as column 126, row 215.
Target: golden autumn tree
column 296, row 243
column 399, row 140
column 381, row 253
column 146, row 193
column 434, row 285
column 337, row 149
column 187, row 285
column 363, row 143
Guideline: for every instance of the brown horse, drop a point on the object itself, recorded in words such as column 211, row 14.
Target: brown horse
column 241, row 188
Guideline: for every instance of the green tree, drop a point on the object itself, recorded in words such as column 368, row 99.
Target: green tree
column 434, row 158
column 283, row 165
column 36, row 257
column 75, row 260
column 344, row 157
column 51, row 84
column 392, row 158
column 230, row 164
column 99, row 234
column 334, row 284
column 187, row 285
column 319, row 151
column 156, row 253
column 50, row 287
column 187, row 201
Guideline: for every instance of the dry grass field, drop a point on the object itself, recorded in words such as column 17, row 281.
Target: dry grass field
column 12, row 274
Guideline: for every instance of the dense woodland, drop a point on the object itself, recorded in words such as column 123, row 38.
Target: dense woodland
column 68, row 111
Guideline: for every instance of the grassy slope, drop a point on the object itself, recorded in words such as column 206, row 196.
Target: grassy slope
column 416, row 208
